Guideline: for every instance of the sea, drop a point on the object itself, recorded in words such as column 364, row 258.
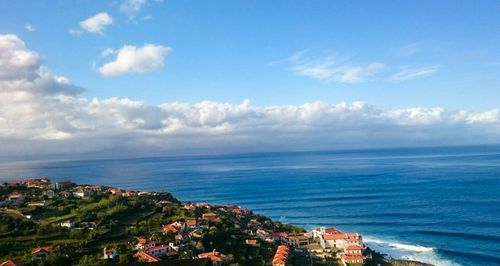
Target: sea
column 438, row 205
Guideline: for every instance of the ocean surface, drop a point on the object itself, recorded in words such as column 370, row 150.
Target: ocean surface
column 437, row 205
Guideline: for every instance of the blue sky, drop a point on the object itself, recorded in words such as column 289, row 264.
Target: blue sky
column 142, row 77
column 234, row 50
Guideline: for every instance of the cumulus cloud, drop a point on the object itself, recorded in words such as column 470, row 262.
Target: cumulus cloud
column 132, row 59
column 326, row 68
column 96, row 23
column 42, row 113
column 408, row 73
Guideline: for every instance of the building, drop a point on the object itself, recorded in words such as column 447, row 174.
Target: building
column 280, row 237
column 353, row 250
column 82, row 193
column 170, row 229
column 68, row 223
column 146, row 257
column 10, row 263
column 281, row 256
column 298, row 241
column 251, row 242
column 351, row 258
column 16, row 197
column 210, row 216
column 214, row 256
column 49, row 193
column 109, row 253
column 40, row 252
column 37, row 203
column 162, row 250
column 143, row 244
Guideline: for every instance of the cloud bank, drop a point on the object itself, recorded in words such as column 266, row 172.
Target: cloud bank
column 42, row 113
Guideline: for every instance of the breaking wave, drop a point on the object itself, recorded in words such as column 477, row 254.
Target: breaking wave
column 397, row 250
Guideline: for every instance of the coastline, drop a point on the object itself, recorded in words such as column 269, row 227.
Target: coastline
column 370, row 256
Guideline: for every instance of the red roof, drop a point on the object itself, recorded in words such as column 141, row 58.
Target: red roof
column 191, row 222
column 351, row 257
column 9, row 263
column 168, row 228
column 157, row 248
column 280, row 234
column 332, row 230
column 355, row 247
column 147, row 257
column 40, row 250
column 143, row 241
column 335, row 236
column 171, row 253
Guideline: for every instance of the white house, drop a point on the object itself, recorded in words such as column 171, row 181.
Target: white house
column 68, row 223
column 145, row 244
column 110, row 253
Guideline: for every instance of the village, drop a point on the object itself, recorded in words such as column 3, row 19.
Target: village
column 62, row 223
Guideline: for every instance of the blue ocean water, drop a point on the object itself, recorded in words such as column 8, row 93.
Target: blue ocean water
column 439, row 205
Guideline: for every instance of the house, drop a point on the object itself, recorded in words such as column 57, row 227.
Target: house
column 161, row 251
column 40, row 252
column 37, row 203
column 115, row 191
column 251, row 242
column 318, row 232
column 109, row 253
column 10, row 263
column 143, row 244
column 88, row 225
column 214, row 256
column 353, row 250
column 210, row 216
column 62, row 185
column 49, row 193
column 68, row 223
column 82, row 193
column 16, row 197
column 351, row 258
column 280, row 237
column 65, row 194
column 146, row 257
column 340, row 241
column 191, row 223
column 170, row 229
column 281, row 256
column 298, row 241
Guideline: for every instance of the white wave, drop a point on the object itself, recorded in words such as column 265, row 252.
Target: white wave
column 397, row 250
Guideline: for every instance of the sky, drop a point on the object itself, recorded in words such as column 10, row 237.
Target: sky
column 148, row 77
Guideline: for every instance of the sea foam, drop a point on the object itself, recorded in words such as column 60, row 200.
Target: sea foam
column 397, row 250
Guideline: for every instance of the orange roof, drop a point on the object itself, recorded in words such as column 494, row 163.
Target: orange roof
column 191, row 222
column 157, row 248
column 278, row 261
column 9, row 263
column 171, row 253
column 168, row 228
column 147, row 257
column 355, row 247
column 352, row 257
column 279, row 234
column 251, row 241
column 40, row 250
column 143, row 241
column 298, row 237
column 335, row 236
column 208, row 215
column 332, row 230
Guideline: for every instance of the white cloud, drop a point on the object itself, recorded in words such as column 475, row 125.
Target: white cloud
column 326, row 68
column 131, row 59
column 408, row 73
column 132, row 7
column 30, row 27
column 42, row 113
column 96, row 23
